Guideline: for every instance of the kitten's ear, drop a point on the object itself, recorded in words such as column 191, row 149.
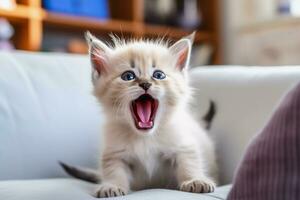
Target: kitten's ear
column 182, row 51
column 99, row 52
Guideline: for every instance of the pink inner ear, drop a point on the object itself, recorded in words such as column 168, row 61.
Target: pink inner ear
column 98, row 61
column 183, row 54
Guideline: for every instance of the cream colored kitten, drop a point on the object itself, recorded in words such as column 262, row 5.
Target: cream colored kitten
column 150, row 137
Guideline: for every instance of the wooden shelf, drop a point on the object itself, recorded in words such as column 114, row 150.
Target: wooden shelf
column 176, row 33
column 20, row 12
column 84, row 23
column 30, row 20
column 70, row 22
column 28, row 27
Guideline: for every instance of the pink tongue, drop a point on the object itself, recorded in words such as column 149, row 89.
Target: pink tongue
column 144, row 110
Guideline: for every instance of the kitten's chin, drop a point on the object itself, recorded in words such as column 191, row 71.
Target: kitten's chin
column 143, row 111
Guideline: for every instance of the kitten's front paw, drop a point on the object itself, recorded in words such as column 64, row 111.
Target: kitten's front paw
column 198, row 186
column 109, row 190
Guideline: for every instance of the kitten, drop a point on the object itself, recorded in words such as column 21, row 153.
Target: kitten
column 150, row 137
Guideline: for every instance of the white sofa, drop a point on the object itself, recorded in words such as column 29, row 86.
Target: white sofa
column 47, row 114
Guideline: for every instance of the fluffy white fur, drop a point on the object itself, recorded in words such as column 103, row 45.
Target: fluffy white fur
column 176, row 153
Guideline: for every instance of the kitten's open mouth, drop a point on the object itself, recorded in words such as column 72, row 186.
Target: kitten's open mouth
column 143, row 110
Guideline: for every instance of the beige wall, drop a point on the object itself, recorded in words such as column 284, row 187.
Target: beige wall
column 239, row 13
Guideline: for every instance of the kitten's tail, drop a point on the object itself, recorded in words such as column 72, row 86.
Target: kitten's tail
column 80, row 173
column 208, row 118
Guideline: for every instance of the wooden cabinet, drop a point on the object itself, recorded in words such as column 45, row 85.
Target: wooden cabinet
column 127, row 18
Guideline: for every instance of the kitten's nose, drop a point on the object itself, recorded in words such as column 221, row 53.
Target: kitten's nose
column 145, row 85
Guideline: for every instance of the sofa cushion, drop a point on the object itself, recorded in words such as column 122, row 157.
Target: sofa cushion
column 71, row 189
column 245, row 98
column 47, row 113
column 270, row 169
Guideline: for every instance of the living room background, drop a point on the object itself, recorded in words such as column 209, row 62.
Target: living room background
column 228, row 31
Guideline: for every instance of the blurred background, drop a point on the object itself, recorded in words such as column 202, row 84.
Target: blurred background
column 247, row 32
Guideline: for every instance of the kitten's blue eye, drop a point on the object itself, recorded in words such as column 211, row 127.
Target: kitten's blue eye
column 128, row 76
column 157, row 74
